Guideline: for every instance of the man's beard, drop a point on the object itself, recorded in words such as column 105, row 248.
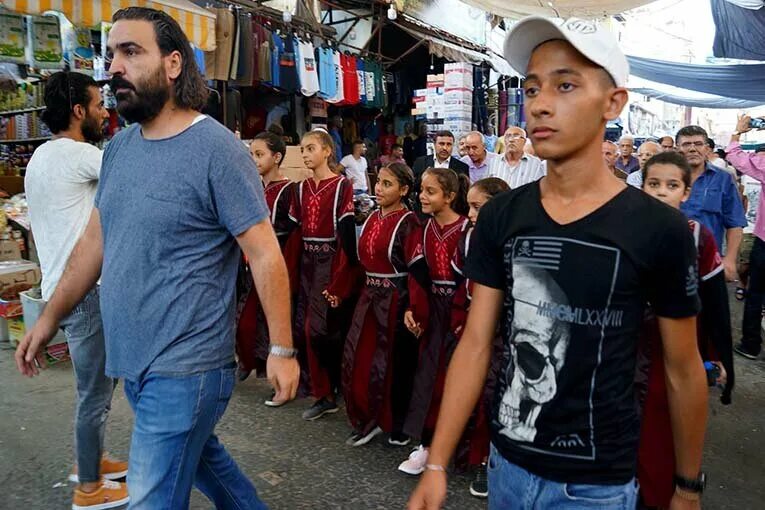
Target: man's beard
column 144, row 101
column 92, row 129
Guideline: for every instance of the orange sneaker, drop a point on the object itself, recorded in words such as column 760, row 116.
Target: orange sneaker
column 109, row 495
column 111, row 469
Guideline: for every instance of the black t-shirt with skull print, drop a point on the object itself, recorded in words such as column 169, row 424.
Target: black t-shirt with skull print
column 574, row 299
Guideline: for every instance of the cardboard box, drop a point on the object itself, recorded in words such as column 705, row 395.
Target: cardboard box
column 292, row 167
column 9, row 250
column 17, row 276
column 56, row 351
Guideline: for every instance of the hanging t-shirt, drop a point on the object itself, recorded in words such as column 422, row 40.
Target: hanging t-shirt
column 288, row 73
column 361, row 77
column 276, row 55
column 337, row 67
column 327, row 77
column 369, row 81
column 574, row 296
column 307, row 69
column 351, row 80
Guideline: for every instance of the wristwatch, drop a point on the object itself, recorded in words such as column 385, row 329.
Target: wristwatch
column 689, row 485
column 282, row 352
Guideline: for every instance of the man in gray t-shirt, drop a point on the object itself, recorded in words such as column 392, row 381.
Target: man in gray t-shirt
column 178, row 197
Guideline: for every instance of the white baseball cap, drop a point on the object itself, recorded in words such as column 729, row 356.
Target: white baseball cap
column 592, row 40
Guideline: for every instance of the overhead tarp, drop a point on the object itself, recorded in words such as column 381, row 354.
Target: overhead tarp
column 559, row 8
column 739, row 31
column 734, row 81
column 748, row 4
column 197, row 23
column 708, row 101
column 456, row 53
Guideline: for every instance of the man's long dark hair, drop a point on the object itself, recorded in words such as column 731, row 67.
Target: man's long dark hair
column 189, row 90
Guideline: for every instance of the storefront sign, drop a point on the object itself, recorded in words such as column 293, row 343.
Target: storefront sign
column 13, row 37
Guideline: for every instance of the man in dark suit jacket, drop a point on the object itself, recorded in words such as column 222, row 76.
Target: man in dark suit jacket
column 443, row 158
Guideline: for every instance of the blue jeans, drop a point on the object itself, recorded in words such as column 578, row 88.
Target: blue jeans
column 85, row 336
column 174, row 445
column 513, row 488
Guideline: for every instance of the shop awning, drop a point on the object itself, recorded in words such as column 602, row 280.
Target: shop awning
column 700, row 101
column 557, row 8
column 197, row 23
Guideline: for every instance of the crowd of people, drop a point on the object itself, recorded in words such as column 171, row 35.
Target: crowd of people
column 505, row 310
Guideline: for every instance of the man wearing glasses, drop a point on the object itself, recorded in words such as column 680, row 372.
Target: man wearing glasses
column 516, row 167
column 714, row 199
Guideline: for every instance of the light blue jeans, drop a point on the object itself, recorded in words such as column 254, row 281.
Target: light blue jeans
column 174, row 445
column 513, row 488
column 85, row 336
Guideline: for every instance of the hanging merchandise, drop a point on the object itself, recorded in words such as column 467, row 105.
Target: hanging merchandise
column 458, row 97
column 317, row 107
column 13, row 36
column 263, row 43
column 327, row 75
column 361, row 77
column 78, row 49
column 45, row 47
column 218, row 62
column 308, row 73
column 245, row 65
column 351, row 80
column 369, row 82
column 234, row 67
column 337, row 65
column 288, row 78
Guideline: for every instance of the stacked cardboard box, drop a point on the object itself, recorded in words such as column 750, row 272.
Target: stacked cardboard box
column 458, row 97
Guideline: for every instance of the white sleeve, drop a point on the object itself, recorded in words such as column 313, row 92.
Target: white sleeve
column 89, row 168
column 345, row 162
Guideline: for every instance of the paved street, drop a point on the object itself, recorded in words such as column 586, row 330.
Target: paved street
column 300, row 465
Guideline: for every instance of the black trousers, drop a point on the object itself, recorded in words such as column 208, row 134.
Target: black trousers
column 751, row 327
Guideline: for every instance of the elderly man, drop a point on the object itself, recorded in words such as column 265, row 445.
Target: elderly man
column 667, row 143
column 646, row 151
column 626, row 162
column 714, row 201
column 478, row 159
column 610, row 154
column 516, row 167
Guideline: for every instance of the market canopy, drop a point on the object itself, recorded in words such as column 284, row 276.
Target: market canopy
column 701, row 101
column 556, row 8
column 739, row 29
column 744, row 81
column 197, row 23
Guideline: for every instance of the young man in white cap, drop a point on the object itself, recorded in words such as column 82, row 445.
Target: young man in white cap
column 569, row 283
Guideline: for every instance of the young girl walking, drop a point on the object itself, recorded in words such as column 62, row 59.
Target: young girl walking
column 443, row 197
column 252, row 339
column 377, row 365
column 328, row 269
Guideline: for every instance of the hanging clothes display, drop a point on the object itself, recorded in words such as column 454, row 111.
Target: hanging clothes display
column 369, row 82
column 351, row 80
column 288, row 78
column 361, row 77
column 307, row 69
column 276, row 55
column 337, row 65
column 327, row 84
column 234, row 67
column 262, row 44
column 245, row 68
column 218, row 62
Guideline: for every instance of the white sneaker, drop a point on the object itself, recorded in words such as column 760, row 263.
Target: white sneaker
column 415, row 464
column 361, row 441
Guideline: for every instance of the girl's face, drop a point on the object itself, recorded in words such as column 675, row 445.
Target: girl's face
column 665, row 182
column 314, row 153
column 476, row 199
column 264, row 158
column 433, row 197
column 388, row 191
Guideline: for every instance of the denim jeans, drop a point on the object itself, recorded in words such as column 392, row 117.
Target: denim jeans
column 513, row 488
column 85, row 337
column 174, row 446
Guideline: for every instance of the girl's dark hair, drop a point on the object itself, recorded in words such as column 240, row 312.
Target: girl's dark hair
column 669, row 158
column 450, row 182
column 63, row 91
column 326, row 141
column 189, row 88
column 491, row 186
column 274, row 143
column 405, row 177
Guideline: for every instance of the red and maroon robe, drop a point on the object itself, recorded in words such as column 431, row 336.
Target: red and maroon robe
column 324, row 212
column 439, row 247
column 390, row 250
column 252, row 337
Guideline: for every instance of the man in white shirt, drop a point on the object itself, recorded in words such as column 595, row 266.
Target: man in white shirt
column 60, row 184
column 516, row 167
column 478, row 159
column 646, row 151
column 355, row 166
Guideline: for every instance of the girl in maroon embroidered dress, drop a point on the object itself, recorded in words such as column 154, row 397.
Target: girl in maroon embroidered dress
column 380, row 353
column 442, row 197
column 252, row 338
column 329, row 273
column 473, row 449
